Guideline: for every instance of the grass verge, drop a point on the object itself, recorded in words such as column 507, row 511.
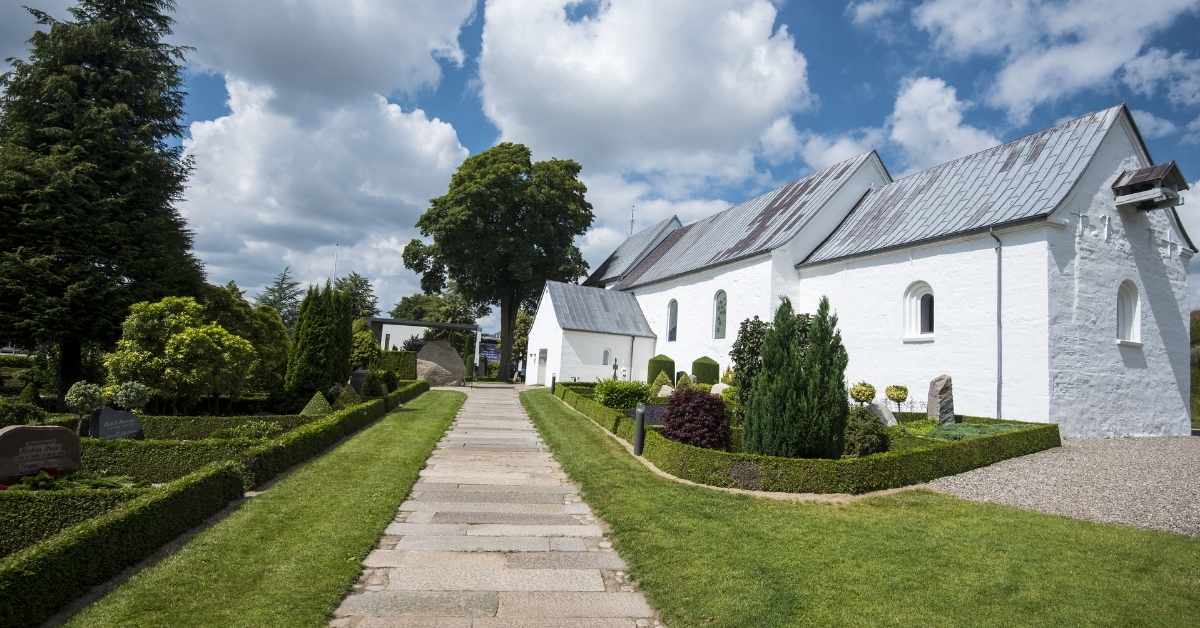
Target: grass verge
column 289, row 555
column 707, row 558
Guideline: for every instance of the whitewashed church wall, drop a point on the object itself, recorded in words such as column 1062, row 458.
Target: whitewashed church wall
column 545, row 333
column 583, row 356
column 1098, row 386
column 747, row 285
column 868, row 295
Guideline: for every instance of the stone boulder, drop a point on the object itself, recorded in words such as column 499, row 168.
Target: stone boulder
column 941, row 399
column 882, row 412
column 717, row 389
column 440, row 365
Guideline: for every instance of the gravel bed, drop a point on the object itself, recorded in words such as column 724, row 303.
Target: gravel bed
column 1145, row 482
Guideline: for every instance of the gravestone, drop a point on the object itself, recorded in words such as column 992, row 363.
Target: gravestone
column 358, row 378
column 108, row 423
column 882, row 412
column 654, row 413
column 717, row 389
column 941, row 399
column 440, row 365
column 665, row 391
column 27, row 449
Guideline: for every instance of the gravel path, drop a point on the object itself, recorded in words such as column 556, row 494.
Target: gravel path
column 1144, row 482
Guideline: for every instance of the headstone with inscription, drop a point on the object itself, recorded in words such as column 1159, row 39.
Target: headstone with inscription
column 108, row 423
column 27, row 449
column 358, row 379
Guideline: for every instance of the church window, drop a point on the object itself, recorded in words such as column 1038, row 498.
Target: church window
column 1129, row 313
column 919, row 311
column 672, row 319
column 719, row 303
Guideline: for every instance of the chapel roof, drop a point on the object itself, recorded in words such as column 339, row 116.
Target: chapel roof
column 583, row 308
column 631, row 251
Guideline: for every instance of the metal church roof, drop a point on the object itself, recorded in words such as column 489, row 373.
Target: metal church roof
column 751, row 228
column 1022, row 180
column 582, row 308
column 631, row 251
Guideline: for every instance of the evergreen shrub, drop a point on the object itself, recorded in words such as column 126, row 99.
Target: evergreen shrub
column 865, row 434
column 660, row 364
column 697, row 418
column 862, row 392
column 17, row 412
column 402, row 363
column 706, row 370
column 621, row 395
column 346, row 398
column 317, row 406
column 682, row 380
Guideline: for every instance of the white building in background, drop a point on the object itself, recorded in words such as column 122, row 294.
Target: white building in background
column 1047, row 276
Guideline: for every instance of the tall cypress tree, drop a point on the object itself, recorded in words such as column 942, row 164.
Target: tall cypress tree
column 320, row 353
column 772, row 405
column 823, row 404
column 89, row 179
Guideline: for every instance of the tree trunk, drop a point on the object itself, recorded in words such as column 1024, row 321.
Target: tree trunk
column 70, row 364
column 507, row 318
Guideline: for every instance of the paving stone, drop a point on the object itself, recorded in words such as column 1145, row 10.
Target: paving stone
column 565, row 560
column 501, row 529
column 451, row 577
column 567, row 544
column 491, row 497
column 414, row 558
column 572, row 604
column 561, row 622
column 476, row 543
column 426, row 529
column 403, row 622
column 502, row 517
column 545, row 509
column 436, row 603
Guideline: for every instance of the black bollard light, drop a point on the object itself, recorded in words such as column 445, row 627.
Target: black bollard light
column 639, row 429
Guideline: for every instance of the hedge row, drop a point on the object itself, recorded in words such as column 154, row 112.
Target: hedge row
column 196, row 427
column 38, row 580
column 804, row 475
column 27, row 517
column 402, row 363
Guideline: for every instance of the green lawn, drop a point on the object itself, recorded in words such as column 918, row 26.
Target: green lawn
column 708, row 558
column 287, row 556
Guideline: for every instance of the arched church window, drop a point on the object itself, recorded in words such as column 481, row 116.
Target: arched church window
column 1129, row 313
column 919, row 311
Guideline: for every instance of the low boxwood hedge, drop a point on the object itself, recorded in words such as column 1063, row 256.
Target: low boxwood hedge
column 406, row 391
column 805, row 475
column 196, row 427
column 158, row 461
column 27, row 517
column 38, row 580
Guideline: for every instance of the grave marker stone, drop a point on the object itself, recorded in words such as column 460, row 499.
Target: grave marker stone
column 941, row 399
column 27, row 449
column 358, row 378
column 109, row 424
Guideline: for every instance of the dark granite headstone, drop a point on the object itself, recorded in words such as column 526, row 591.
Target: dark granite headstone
column 940, row 405
column 27, row 449
column 358, row 379
column 654, row 413
column 109, row 423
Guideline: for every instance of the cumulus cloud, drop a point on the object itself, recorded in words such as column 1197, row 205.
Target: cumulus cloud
column 314, row 52
column 269, row 190
column 1156, row 67
column 673, row 89
column 1051, row 50
column 1152, row 126
column 927, row 124
column 1193, row 132
column 869, row 11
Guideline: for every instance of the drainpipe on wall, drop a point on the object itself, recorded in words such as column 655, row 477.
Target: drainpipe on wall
column 629, row 366
column 999, row 323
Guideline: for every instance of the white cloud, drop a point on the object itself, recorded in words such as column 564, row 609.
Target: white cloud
column 1193, row 132
column 674, row 89
column 314, row 52
column 867, row 11
column 927, row 124
column 1051, row 50
column 1178, row 72
column 17, row 26
column 1152, row 126
column 820, row 151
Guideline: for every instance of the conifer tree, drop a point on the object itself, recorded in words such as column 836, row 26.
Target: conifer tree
column 772, row 406
column 823, row 404
column 89, row 177
column 283, row 294
column 321, row 352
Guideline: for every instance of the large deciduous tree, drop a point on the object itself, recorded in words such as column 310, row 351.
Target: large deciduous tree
column 505, row 226
column 89, row 177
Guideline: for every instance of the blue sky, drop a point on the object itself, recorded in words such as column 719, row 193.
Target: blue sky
column 320, row 131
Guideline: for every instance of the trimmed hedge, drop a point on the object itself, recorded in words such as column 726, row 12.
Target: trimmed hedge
column 812, row 475
column 38, row 580
column 27, row 517
column 158, row 461
column 16, row 361
column 402, row 363
column 406, row 391
column 660, row 364
column 705, row 370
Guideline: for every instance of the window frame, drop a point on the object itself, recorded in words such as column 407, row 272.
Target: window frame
column 720, row 314
column 917, row 316
column 672, row 320
column 1129, row 314
column 606, row 357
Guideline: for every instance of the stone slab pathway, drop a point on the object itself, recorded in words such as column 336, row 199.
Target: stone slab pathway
column 494, row 534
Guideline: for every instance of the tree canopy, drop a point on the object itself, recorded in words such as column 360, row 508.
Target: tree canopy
column 505, row 226
column 89, row 177
column 321, row 352
column 363, row 303
column 283, row 295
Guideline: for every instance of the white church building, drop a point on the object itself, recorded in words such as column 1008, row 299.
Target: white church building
column 1046, row 276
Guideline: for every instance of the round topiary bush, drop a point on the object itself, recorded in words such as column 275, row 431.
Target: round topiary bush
column 697, row 418
column 705, row 370
column 619, row 395
column 862, row 392
column 897, row 394
column 660, row 364
column 865, row 434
